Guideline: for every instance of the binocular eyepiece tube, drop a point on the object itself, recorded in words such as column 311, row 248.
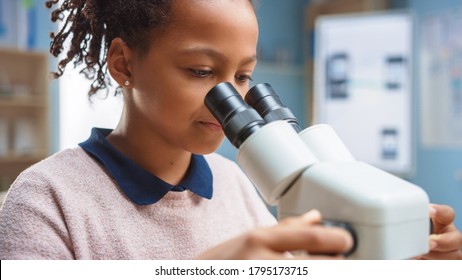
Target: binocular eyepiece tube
column 237, row 119
column 272, row 154
column 240, row 118
column 267, row 103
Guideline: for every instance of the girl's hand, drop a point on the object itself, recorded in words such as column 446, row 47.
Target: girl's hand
column 298, row 234
column 446, row 240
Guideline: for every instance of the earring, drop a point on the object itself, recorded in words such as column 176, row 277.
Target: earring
column 127, row 83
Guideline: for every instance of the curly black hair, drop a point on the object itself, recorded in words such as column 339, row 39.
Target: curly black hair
column 91, row 25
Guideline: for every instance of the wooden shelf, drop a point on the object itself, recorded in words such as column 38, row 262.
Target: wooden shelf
column 23, row 101
column 24, row 112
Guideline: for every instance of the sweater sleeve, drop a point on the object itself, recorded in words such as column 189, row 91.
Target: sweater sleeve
column 31, row 222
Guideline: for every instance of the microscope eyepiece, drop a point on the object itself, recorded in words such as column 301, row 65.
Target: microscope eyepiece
column 267, row 103
column 237, row 118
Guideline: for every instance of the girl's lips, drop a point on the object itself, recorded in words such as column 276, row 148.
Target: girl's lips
column 211, row 125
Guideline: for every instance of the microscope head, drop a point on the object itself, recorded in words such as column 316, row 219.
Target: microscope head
column 272, row 155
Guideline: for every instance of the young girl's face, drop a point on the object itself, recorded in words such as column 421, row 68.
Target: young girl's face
column 207, row 43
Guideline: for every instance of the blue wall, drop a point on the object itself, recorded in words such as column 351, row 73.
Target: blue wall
column 281, row 27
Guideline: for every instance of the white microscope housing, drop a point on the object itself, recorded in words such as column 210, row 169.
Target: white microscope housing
column 313, row 169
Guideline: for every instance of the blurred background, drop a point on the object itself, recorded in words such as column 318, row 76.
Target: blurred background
column 386, row 74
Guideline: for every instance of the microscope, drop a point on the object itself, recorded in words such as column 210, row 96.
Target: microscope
column 299, row 170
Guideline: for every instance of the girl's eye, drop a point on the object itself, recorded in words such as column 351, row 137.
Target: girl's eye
column 243, row 78
column 200, row 73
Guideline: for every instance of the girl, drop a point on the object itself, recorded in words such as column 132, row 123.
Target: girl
column 145, row 190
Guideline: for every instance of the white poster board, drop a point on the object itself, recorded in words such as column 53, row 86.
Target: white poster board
column 362, row 85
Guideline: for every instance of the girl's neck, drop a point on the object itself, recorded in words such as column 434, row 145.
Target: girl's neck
column 151, row 152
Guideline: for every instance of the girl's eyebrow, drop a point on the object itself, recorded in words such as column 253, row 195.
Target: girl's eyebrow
column 213, row 53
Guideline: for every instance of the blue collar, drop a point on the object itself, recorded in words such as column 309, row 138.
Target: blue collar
column 138, row 184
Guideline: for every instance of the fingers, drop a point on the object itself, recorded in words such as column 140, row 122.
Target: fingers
column 442, row 216
column 318, row 257
column 446, row 242
column 276, row 243
column 314, row 239
column 302, row 234
column 309, row 218
column 312, row 217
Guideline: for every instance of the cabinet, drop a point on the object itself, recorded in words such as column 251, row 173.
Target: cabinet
column 24, row 112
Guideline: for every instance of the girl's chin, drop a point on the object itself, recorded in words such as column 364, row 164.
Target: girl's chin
column 207, row 149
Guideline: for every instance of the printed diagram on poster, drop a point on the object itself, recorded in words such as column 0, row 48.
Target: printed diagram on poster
column 362, row 85
column 441, row 80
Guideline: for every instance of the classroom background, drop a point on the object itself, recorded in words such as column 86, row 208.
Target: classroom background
column 39, row 117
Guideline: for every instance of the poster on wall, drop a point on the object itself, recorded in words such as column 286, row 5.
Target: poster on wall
column 440, row 74
column 362, row 85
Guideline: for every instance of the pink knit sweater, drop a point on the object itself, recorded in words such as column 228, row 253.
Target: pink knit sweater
column 68, row 207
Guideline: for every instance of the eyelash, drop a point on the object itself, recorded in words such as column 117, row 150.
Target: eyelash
column 201, row 73
column 205, row 73
column 246, row 78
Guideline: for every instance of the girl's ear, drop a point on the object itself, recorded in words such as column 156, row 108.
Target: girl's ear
column 119, row 59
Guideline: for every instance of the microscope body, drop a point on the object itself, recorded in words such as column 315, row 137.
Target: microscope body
column 389, row 215
column 312, row 169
